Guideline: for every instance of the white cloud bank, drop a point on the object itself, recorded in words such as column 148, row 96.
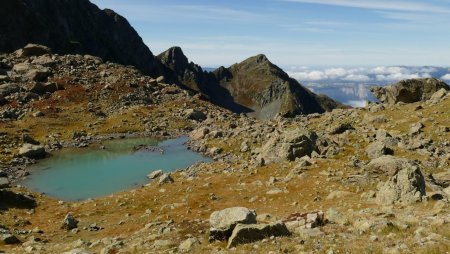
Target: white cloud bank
column 363, row 75
column 446, row 77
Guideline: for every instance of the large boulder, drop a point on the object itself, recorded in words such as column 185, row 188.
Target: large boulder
column 387, row 164
column 406, row 186
column 409, row 91
column 254, row 232
column 377, row 149
column 289, row 146
column 32, row 151
column 223, row 222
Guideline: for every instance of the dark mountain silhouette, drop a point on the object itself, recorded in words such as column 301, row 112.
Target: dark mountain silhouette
column 73, row 26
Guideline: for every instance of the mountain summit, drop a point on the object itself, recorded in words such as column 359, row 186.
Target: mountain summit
column 260, row 85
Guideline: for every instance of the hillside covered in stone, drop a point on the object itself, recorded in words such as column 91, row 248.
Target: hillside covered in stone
column 363, row 180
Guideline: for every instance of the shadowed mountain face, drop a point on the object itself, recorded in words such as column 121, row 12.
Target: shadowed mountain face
column 69, row 26
column 177, row 69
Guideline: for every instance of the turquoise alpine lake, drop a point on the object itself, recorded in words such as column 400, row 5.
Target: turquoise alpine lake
column 79, row 174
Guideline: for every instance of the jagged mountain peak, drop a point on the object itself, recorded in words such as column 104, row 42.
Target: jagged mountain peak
column 173, row 55
column 259, row 59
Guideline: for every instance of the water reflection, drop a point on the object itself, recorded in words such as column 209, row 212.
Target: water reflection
column 79, row 174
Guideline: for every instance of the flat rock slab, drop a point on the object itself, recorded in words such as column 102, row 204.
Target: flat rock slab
column 244, row 233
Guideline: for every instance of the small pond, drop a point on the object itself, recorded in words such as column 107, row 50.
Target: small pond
column 78, row 174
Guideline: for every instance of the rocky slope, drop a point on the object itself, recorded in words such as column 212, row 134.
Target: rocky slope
column 74, row 27
column 366, row 180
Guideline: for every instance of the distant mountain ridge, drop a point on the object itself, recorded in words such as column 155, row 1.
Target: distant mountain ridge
column 253, row 86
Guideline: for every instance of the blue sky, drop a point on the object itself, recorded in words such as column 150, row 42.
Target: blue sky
column 295, row 32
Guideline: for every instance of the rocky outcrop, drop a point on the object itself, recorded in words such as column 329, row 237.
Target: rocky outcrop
column 223, row 222
column 409, row 91
column 289, row 146
column 406, row 186
column 73, row 27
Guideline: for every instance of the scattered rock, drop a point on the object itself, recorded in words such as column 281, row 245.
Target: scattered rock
column 245, row 233
column 69, row 222
column 161, row 79
column 188, row 244
column 338, row 195
column 416, row 128
column 78, row 251
column 378, row 149
column 165, row 178
column 340, row 128
column 194, row 114
column 7, row 238
column 289, row 146
column 4, row 182
column 406, row 186
column 155, row 174
column 38, row 114
column 33, row 50
column 437, row 96
column 33, row 151
column 163, row 244
column 199, row 133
